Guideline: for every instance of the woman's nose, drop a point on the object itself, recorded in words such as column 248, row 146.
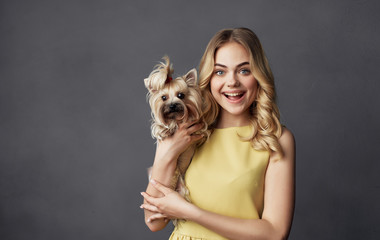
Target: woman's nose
column 233, row 81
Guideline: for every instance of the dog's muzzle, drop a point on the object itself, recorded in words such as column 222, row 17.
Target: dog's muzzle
column 175, row 107
column 173, row 111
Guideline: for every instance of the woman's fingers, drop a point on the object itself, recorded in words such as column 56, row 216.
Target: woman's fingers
column 186, row 124
column 191, row 127
column 160, row 187
column 193, row 132
column 196, row 137
column 195, row 128
column 157, row 216
column 149, row 207
column 151, row 200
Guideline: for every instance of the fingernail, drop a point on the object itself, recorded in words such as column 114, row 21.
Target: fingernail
column 141, row 206
column 149, row 221
column 141, row 193
column 153, row 181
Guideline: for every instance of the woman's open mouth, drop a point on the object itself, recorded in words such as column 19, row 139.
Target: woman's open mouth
column 234, row 96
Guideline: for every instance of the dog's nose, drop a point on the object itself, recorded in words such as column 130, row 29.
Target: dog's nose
column 173, row 107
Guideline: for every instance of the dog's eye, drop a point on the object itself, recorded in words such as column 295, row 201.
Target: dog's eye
column 164, row 98
column 181, row 95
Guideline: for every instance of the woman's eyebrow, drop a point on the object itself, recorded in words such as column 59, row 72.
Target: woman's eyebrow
column 242, row 64
column 220, row 65
column 224, row 66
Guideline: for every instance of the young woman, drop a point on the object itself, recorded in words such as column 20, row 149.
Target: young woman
column 241, row 180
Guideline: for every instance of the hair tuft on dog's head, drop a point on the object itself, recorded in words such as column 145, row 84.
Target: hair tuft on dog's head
column 161, row 74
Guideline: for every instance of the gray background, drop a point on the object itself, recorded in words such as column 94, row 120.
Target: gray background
column 74, row 122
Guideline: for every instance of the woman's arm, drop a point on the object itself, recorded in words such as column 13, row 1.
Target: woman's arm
column 278, row 203
column 163, row 169
column 165, row 163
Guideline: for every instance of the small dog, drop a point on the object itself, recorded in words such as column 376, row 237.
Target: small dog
column 175, row 101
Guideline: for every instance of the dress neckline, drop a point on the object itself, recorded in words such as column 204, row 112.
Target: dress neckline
column 232, row 128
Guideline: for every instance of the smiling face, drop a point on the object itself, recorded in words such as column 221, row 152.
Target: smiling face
column 233, row 85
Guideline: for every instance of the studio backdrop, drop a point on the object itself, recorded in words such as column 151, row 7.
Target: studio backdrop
column 75, row 138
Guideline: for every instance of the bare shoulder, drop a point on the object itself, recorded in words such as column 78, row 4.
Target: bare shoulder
column 287, row 142
column 286, row 137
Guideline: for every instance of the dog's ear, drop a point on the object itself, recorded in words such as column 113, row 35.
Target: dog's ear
column 191, row 77
column 148, row 84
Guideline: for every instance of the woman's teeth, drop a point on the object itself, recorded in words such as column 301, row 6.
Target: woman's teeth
column 232, row 94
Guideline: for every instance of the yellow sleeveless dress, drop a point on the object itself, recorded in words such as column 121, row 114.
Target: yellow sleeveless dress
column 226, row 176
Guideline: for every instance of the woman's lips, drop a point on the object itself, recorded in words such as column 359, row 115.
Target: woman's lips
column 233, row 96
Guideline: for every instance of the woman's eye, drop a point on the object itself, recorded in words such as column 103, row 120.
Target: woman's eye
column 181, row 95
column 245, row 71
column 164, row 98
column 219, row 72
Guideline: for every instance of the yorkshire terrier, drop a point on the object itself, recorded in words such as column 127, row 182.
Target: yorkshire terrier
column 174, row 101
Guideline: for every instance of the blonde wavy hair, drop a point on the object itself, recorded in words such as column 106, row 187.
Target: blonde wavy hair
column 265, row 116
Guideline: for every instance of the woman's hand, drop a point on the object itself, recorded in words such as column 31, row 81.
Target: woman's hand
column 171, row 147
column 171, row 206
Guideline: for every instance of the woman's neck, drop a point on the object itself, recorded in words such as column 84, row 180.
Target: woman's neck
column 226, row 120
